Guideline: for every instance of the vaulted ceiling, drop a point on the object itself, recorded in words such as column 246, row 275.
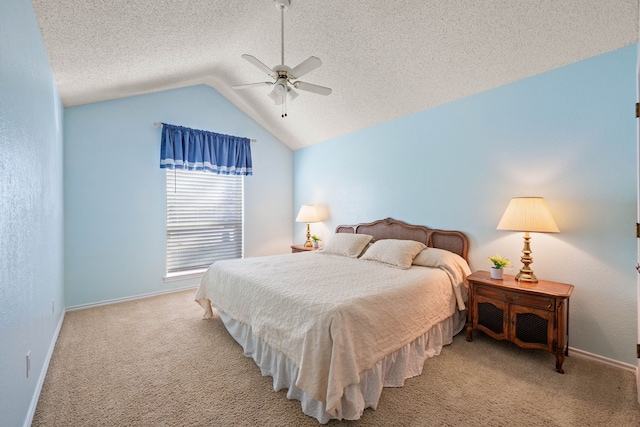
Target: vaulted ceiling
column 383, row 59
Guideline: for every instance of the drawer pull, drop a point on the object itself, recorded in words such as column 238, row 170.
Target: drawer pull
column 515, row 298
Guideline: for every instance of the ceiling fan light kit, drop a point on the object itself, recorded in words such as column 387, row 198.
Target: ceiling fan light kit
column 285, row 78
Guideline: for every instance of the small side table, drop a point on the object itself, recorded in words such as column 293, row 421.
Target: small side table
column 531, row 315
column 301, row 248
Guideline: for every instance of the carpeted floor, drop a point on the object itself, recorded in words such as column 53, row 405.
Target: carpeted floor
column 156, row 362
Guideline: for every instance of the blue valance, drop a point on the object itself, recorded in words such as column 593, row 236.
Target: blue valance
column 193, row 149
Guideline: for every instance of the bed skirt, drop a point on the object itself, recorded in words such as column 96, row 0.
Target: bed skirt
column 391, row 371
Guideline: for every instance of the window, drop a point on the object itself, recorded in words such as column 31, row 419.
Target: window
column 204, row 220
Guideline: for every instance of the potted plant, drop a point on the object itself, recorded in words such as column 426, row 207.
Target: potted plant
column 315, row 239
column 499, row 264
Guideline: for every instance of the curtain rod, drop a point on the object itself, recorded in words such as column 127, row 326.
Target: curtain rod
column 159, row 125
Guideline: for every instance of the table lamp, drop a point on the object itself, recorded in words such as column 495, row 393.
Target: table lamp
column 308, row 214
column 528, row 214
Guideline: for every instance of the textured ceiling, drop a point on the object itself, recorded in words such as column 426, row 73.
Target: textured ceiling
column 383, row 59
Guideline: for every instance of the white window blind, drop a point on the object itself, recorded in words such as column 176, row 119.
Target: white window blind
column 204, row 219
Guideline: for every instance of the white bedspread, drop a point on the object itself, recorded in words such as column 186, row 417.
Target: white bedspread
column 332, row 316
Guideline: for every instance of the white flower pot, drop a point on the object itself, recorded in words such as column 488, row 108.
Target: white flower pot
column 496, row 273
column 315, row 244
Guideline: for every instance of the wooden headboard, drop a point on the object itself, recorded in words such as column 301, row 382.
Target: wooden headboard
column 389, row 228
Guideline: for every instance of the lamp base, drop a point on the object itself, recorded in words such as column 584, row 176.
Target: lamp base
column 524, row 276
column 308, row 243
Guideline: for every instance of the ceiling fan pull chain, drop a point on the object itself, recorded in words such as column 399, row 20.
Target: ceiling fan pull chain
column 284, row 105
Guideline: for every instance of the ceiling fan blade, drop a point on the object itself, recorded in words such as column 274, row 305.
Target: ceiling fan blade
column 259, row 64
column 305, row 67
column 250, row 85
column 320, row 90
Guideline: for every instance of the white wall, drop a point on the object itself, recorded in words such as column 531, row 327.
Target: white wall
column 115, row 202
column 567, row 135
column 31, row 211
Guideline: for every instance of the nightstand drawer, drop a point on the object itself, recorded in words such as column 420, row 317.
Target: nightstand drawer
column 520, row 298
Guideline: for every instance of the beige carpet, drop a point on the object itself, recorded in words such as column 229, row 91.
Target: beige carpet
column 155, row 362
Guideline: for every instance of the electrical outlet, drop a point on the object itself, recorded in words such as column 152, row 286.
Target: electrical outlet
column 28, row 363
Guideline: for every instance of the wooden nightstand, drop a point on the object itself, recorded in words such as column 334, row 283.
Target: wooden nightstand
column 301, row 248
column 531, row 315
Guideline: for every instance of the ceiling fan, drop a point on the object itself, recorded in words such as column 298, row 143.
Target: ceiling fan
column 285, row 79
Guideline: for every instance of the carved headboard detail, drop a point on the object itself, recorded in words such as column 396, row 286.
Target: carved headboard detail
column 389, row 228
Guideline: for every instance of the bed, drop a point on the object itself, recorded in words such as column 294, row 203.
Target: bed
column 335, row 326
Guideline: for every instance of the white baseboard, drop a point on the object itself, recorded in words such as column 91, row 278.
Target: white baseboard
column 135, row 297
column 43, row 374
column 602, row 359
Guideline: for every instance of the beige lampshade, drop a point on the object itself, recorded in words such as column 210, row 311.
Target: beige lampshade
column 528, row 214
column 308, row 213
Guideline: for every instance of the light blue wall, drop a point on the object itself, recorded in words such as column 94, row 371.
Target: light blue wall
column 567, row 135
column 31, row 211
column 115, row 202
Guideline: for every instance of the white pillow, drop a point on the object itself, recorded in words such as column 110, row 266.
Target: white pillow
column 455, row 266
column 434, row 257
column 345, row 244
column 393, row 252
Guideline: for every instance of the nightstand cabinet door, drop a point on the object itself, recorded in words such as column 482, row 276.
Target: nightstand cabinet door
column 532, row 328
column 490, row 316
